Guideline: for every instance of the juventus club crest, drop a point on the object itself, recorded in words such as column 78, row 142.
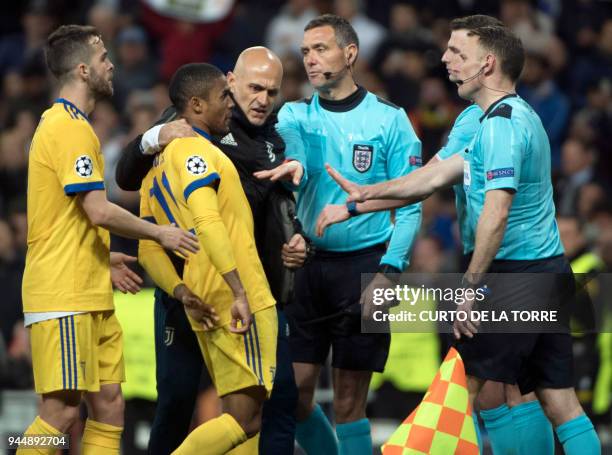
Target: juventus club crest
column 270, row 150
column 362, row 157
column 169, row 336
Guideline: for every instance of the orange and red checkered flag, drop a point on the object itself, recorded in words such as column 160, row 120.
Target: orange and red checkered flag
column 442, row 424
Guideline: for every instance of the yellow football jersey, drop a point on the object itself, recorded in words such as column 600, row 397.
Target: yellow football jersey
column 185, row 166
column 67, row 263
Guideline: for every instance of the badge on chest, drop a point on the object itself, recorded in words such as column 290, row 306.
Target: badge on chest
column 362, row 157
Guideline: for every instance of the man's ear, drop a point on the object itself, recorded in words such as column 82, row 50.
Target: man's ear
column 231, row 80
column 82, row 71
column 197, row 105
column 350, row 52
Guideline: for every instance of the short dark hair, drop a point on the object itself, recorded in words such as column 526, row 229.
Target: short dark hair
column 68, row 46
column 344, row 31
column 193, row 79
column 506, row 46
column 475, row 21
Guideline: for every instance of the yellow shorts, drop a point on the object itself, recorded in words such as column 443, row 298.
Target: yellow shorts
column 236, row 361
column 79, row 352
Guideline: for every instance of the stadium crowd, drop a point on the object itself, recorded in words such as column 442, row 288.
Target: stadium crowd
column 567, row 79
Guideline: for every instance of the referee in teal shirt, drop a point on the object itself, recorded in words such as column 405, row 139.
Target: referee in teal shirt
column 371, row 140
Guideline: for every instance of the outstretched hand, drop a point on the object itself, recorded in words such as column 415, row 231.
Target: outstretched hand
column 355, row 192
column 291, row 170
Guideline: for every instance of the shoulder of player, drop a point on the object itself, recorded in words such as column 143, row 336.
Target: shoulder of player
column 294, row 107
column 60, row 122
column 182, row 148
column 470, row 113
column 509, row 109
column 382, row 103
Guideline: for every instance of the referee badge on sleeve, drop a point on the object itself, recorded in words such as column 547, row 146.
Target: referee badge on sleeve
column 196, row 165
column 83, row 166
column 362, row 157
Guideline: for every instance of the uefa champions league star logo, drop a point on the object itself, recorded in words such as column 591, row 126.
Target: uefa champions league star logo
column 196, row 165
column 83, row 166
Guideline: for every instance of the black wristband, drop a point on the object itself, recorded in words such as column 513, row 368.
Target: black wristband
column 390, row 272
column 352, row 208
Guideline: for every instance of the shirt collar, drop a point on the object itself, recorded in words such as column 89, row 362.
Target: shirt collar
column 68, row 103
column 202, row 133
column 495, row 103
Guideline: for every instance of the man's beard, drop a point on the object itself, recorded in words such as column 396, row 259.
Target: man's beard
column 99, row 87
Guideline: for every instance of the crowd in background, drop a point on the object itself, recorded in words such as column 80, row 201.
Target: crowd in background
column 567, row 80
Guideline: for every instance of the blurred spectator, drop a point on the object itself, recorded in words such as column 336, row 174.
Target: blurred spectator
column 594, row 122
column 11, row 266
column 434, row 115
column 295, row 84
column 590, row 197
column 407, row 54
column 539, row 89
column 594, row 66
column 370, row 33
column 534, row 27
column 181, row 42
column 14, row 143
column 37, row 23
column 577, row 169
column 103, row 16
column 286, row 30
column 572, row 237
column 160, row 97
column 134, row 69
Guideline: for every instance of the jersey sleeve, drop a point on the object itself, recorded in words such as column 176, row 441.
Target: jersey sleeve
column 153, row 258
column 78, row 162
column 198, row 171
column 503, row 146
column 403, row 156
column 195, row 168
column 464, row 129
column 289, row 129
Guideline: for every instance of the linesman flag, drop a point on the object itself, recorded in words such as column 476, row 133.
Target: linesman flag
column 442, row 423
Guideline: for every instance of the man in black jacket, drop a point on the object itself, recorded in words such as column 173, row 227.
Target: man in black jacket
column 253, row 145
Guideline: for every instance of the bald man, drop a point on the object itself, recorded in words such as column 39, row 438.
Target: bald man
column 253, row 145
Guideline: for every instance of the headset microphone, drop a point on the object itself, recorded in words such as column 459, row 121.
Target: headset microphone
column 328, row 74
column 461, row 82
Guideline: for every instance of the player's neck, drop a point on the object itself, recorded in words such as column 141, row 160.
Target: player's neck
column 79, row 96
column 196, row 122
column 345, row 88
column 492, row 91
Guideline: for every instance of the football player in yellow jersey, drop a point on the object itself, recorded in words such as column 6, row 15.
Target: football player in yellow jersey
column 192, row 183
column 67, row 296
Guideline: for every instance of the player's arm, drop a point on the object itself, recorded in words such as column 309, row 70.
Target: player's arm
column 103, row 213
column 489, row 232
column 137, row 156
column 200, row 193
column 337, row 213
column 403, row 158
column 411, row 188
column 502, row 171
column 213, row 235
column 153, row 258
